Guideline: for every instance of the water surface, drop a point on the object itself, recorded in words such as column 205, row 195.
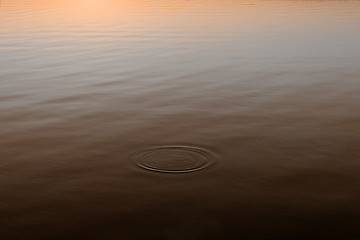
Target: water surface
column 270, row 87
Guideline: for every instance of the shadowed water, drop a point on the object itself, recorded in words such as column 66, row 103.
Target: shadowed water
column 268, row 89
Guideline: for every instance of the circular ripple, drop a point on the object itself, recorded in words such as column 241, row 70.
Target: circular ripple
column 175, row 159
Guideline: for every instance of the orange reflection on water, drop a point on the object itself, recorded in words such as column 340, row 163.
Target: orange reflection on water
column 229, row 17
column 193, row 14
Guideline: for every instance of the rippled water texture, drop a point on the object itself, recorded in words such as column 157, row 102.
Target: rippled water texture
column 175, row 159
column 271, row 88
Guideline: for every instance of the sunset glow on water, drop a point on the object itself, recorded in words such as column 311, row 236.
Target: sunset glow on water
column 179, row 119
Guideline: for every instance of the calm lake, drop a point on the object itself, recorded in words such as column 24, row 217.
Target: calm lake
column 179, row 120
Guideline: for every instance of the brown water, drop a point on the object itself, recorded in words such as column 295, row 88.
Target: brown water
column 260, row 97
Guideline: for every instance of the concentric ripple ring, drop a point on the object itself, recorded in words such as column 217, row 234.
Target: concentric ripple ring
column 175, row 159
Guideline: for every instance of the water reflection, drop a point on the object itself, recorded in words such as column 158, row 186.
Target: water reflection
column 270, row 86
